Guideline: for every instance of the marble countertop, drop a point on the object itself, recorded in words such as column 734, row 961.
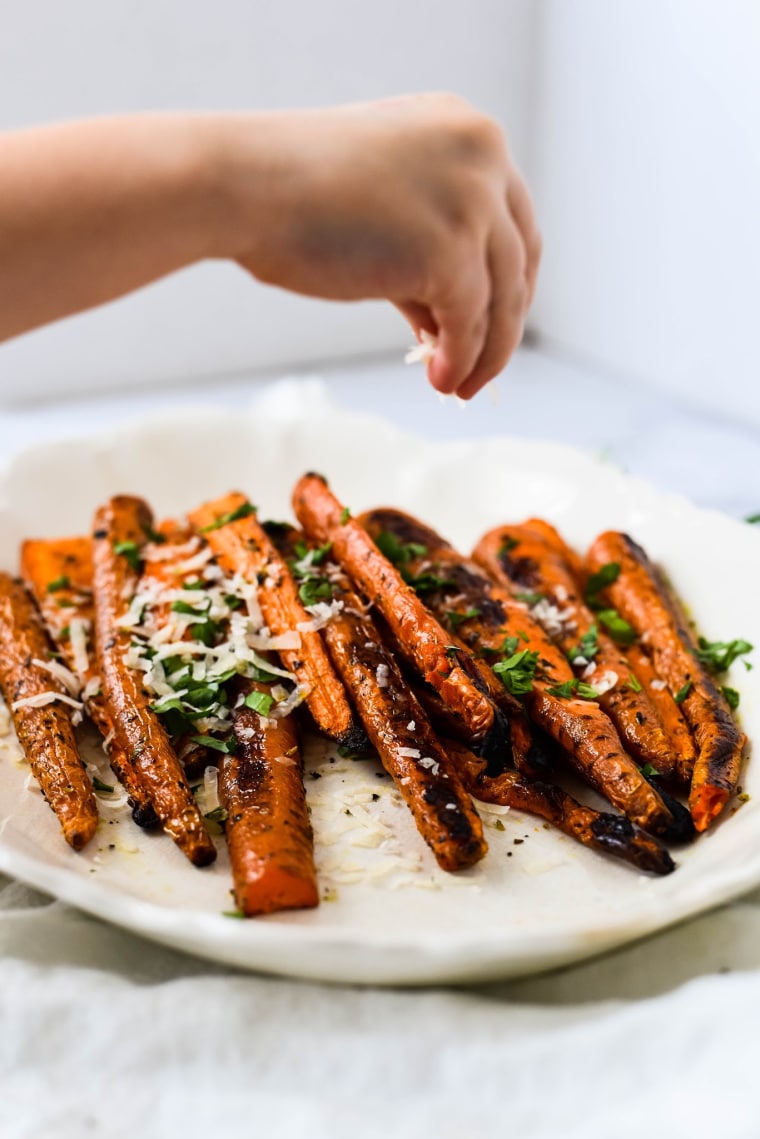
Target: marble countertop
column 713, row 460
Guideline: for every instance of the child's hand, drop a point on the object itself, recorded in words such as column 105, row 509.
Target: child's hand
column 414, row 199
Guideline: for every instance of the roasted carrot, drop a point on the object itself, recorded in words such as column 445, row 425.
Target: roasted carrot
column 267, row 828
column 672, row 719
column 38, row 706
column 119, row 534
column 602, row 831
column 58, row 573
column 174, row 546
column 640, row 597
column 397, row 726
column 490, row 621
column 242, row 546
column 417, row 632
column 538, row 570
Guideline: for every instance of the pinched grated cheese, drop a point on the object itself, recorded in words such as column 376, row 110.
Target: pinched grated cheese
column 424, row 351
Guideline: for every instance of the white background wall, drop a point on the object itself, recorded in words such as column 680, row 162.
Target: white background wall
column 84, row 57
column 647, row 176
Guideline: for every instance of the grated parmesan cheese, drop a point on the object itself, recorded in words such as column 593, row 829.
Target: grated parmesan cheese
column 40, row 699
column 382, row 676
column 658, row 685
column 424, row 351
column 67, row 678
column 79, row 629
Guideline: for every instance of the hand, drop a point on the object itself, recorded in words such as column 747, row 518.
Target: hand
column 415, row 200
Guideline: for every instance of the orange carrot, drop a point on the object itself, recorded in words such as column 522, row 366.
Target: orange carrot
column 45, row 732
column 267, row 828
column 119, row 533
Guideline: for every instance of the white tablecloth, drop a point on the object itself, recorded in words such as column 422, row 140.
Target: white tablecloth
column 104, row 1034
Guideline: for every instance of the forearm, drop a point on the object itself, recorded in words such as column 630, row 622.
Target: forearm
column 92, row 210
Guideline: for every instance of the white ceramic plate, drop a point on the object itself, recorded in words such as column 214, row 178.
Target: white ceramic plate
column 388, row 915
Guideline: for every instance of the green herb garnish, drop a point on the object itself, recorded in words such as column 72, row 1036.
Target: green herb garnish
column 233, row 914
column 682, row 693
column 99, row 785
column 227, row 747
column 575, row 687
column 399, row 553
column 315, row 589
column 732, row 697
column 61, row 582
column 633, row 683
column 131, row 551
column 621, row 632
column 507, row 544
column 218, row 815
column 604, row 576
column 153, row 535
column 243, row 511
column 587, row 647
column 261, row 702
column 717, row 656
column 456, row 619
column 529, row 598
column 345, row 514
column 517, row 671
column 649, row 771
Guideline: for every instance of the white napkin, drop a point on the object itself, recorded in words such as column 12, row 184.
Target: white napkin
column 104, row 1034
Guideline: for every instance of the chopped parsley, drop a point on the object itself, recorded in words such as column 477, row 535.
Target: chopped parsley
column 587, row 647
column 225, row 746
column 129, row 550
column 753, row 519
column 529, row 598
column 507, row 543
column 456, row 619
column 732, row 697
column 313, row 587
column 233, row 914
column 218, row 815
column 399, row 553
column 717, row 656
column 649, row 771
column 682, row 693
column 633, row 683
column 99, row 785
column 621, row 632
column 427, row 582
column 345, row 514
column 153, row 535
column 575, row 687
column 606, row 575
column 517, row 671
column 61, row 582
column 261, row 702
column 243, row 511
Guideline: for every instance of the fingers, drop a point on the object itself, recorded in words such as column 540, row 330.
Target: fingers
column 521, row 208
column 419, row 317
column 507, row 263
column 462, row 323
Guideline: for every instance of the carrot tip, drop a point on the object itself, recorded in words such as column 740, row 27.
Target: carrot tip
column 706, row 804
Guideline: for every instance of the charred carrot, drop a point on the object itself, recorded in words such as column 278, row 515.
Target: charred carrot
column 38, row 706
column 601, row 831
column 119, row 534
column 488, row 619
column 242, row 546
column 417, row 632
column 536, row 566
column 397, row 726
column 267, row 827
column 638, row 595
column 59, row 575
column 673, row 722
